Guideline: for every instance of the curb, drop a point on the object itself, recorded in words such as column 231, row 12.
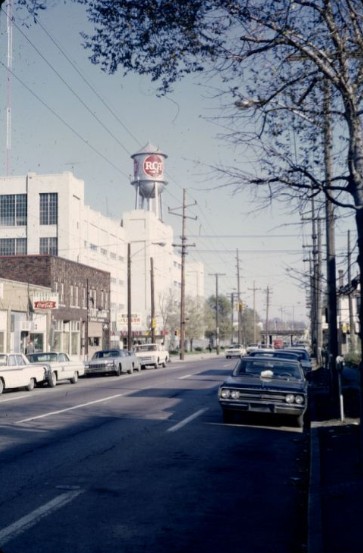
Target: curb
column 315, row 534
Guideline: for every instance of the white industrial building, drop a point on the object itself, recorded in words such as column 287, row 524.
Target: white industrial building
column 46, row 214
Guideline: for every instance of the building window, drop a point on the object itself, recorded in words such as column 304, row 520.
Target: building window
column 48, row 246
column 61, row 292
column 13, row 246
column 48, row 209
column 74, row 296
column 13, row 210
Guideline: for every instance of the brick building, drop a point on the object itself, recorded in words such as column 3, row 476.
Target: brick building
column 74, row 316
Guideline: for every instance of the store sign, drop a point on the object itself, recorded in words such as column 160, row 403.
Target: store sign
column 44, row 300
column 122, row 320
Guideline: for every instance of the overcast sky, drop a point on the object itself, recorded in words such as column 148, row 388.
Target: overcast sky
column 67, row 115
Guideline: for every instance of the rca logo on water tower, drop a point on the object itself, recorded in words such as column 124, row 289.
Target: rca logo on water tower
column 154, row 166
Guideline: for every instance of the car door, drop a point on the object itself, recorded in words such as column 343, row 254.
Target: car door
column 65, row 369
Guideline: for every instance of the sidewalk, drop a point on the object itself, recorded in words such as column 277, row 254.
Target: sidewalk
column 335, row 513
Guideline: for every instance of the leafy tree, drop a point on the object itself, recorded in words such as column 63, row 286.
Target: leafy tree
column 194, row 316
column 248, row 320
column 224, row 317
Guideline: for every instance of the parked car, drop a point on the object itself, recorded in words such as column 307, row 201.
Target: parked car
column 304, row 357
column 258, row 347
column 266, row 385
column 151, row 355
column 61, row 366
column 17, row 372
column 116, row 361
column 235, row 350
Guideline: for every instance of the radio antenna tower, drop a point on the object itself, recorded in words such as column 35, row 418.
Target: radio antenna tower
column 9, row 64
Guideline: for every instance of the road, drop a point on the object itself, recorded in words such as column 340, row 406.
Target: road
column 143, row 462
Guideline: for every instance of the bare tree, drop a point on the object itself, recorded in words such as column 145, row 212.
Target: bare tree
column 288, row 69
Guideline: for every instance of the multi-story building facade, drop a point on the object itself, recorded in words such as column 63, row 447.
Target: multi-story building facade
column 46, row 215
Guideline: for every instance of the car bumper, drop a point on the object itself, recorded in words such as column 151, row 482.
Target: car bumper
column 100, row 369
column 264, row 407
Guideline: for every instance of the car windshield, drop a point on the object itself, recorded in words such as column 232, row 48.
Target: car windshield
column 42, row 357
column 263, row 368
column 150, row 347
column 105, row 354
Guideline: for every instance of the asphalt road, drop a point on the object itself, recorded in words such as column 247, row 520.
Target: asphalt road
column 143, row 462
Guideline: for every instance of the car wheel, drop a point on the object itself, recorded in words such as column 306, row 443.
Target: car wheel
column 163, row 364
column 31, row 385
column 227, row 415
column 52, row 380
column 1, row 386
column 118, row 370
column 74, row 378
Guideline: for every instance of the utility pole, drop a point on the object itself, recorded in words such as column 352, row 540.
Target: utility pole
column 267, row 313
column 330, row 248
column 316, row 285
column 152, row 291
column 239, row 321
column 352, row 340
column 217, row 310
column 232, row 317
column 129, row 328
column 254, row 290
column 184, row 247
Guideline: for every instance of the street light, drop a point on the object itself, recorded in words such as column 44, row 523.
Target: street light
column 129, row 307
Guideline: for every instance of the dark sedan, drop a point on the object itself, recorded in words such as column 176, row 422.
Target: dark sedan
column 265, row 385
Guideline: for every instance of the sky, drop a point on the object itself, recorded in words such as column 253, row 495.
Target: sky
column 67, row 115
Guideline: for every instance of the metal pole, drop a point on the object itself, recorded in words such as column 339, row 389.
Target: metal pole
column 217, row 318
column 87, row 321
column 182, row 283
column 129, row 329
column 153, row 322
column 352, row 341
column 232, row 319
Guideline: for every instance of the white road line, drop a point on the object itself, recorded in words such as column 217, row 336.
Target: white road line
column 185, row 376
column 187, row 420
column 70, row 408
column 10, row 532
column 14, row 398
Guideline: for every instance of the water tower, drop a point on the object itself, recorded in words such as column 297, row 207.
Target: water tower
column 148, row 178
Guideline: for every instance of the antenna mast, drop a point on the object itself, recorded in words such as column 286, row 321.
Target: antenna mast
column 9, row 64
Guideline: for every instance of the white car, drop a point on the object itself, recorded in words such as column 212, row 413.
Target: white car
column 61, row 366
column 17, row 372
column 235, row 350
column 152, row 355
